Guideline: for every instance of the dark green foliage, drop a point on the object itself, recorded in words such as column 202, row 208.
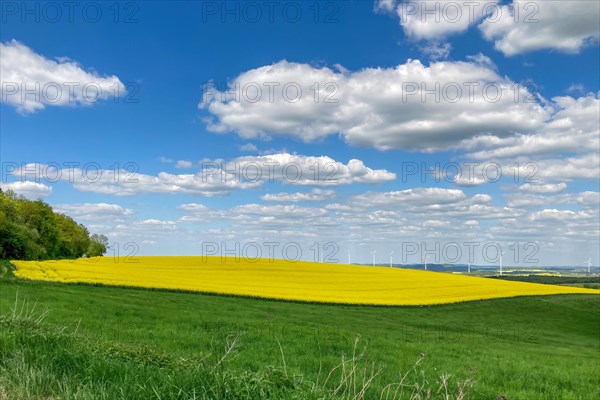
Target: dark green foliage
column 31, row 230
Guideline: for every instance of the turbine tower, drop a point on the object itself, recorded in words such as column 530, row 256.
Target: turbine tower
column 391, row 259
column 373, row 253
column 469, row 266
column 501, row 261
column 589, row 264
column 425, row 261
column 349, row 257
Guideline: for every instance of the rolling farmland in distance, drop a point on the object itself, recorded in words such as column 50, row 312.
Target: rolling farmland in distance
column 285, row 280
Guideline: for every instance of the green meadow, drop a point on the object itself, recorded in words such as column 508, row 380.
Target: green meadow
column 61, row 341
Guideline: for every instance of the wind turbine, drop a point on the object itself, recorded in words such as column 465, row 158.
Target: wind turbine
column 501, row 262
column 589, row 263
column 373, row 253
column 349, row 257
column 425, row 261
column 391, row 259
column 469, row 267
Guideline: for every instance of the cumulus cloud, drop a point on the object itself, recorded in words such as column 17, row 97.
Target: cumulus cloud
column 543, row 188
column 278, row 211
column 573, row 126
column 263, row 217
column 158, row 223
column 436, row 51
column 566, row 27
column 31, row 82
column 466, row 179
column 586, row 200
column 93, row 211
column 576, row 88
column 435, row 223
column 217, row 178
column 384, row 108
column 249, row 147
column 313, row 195
column 586, row 166
column 184, row 164
column 307, row 170
column 433, row 20
column 515, row 28
column 430, row 203
column 28, row 189
column 559, row 215
column 415, row 215
column 417, row 197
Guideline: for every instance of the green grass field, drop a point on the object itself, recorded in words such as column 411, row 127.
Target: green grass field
column 142, row 344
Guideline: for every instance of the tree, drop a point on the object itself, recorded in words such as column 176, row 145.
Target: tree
column 98, row 245
column 31, row 230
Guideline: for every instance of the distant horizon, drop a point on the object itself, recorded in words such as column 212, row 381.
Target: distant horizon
column 384, row 264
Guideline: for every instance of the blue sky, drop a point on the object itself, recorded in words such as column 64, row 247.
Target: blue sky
column 161, row 55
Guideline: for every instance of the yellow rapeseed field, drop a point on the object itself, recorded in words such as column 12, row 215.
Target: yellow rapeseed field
column 279, row 279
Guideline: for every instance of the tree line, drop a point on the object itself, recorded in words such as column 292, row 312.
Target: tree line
column 31, row 230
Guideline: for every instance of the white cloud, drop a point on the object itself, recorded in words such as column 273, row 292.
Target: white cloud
column 436, row 51
column 586, row 166
column 435, row 223
column 28, row 189
column 379, row 220
column 184, row 164
column 466, row 179
column 199, row 213
column 217, row 177
column 515, row 28
column 93, row 211
column 30, row 81
column 576, row 88
column 279, row 211
column 126, row 183
column 558, row 215
column 543, row 188
column 249, row 147
column 384, row 108
column 434, row 20
column 558, row 25
column 313, row 195
column 417, row 197
column 158, row 223
column 573, row 125
column 308, row 170
column 388, row 217
column 165, row 160
column 586, row 200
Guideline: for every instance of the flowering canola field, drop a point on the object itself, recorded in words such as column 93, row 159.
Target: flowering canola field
column 287, row 280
